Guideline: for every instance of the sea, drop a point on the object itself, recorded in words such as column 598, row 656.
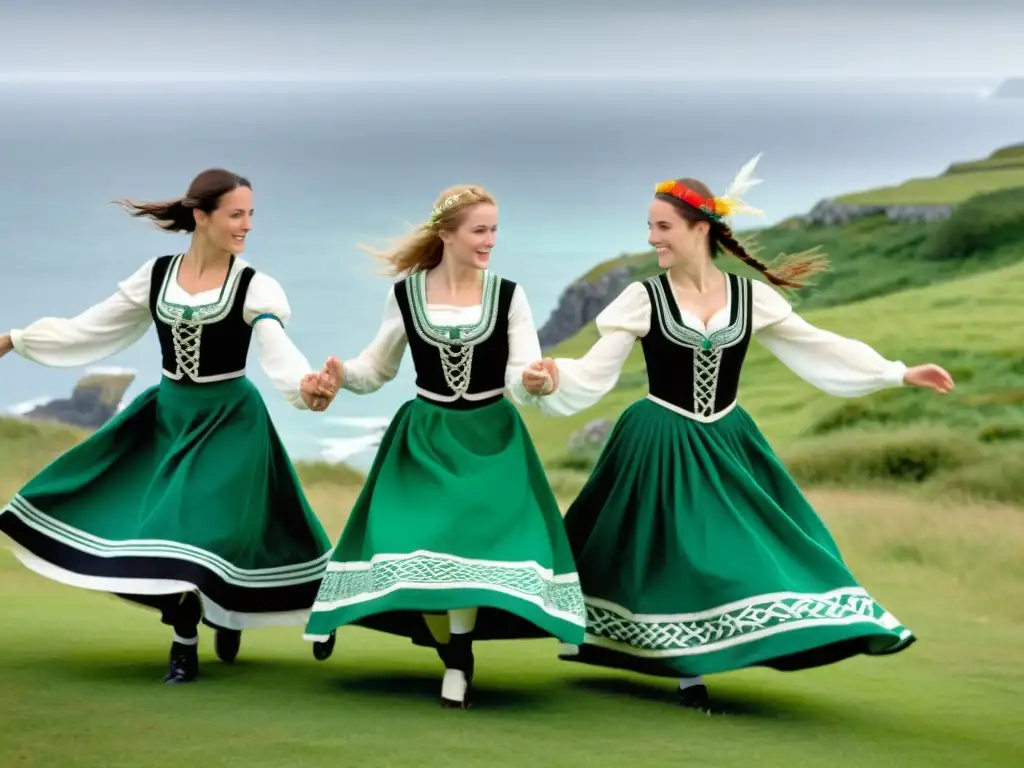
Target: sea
column 333, row 165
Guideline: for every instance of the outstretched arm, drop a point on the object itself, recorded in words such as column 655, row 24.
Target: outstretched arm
column 378, row 364
column 99, row 332
column 268, row 312
column 834, row 364
column 580, row 383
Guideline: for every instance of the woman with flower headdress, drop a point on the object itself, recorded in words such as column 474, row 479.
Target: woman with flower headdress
column 456, row 535
column 697, row 553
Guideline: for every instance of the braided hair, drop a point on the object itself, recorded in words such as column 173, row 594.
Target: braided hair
column 788, row 271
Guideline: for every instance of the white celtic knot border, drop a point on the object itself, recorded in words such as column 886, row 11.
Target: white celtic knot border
column 350, row 583
column 733, row 624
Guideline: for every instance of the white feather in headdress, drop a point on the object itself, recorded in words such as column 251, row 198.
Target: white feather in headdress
column 743, row 181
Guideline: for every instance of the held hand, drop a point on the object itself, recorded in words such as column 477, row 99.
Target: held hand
column 6, row 345
column 316, row 391
column 335, row 372
column 551, row 367
column 929, row 376
column 541, row 378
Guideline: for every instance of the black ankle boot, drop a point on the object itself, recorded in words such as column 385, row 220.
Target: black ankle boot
column 184, row 665
column 322, row 649
column 694, row 697
column 226, row 644
column 457, row 685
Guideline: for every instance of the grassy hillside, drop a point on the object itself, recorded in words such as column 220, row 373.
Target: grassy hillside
column 971, row 439
column 1003, row 169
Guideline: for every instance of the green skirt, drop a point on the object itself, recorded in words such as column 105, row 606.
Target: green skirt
column 698, row 554
column 456, row 513
column 188, row 489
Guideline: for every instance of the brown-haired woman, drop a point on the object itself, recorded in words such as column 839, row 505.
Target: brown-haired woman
column 697, row 552
column 456, row 535
column 185, row 501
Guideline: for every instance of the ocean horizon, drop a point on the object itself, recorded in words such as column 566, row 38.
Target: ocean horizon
column 334, row 164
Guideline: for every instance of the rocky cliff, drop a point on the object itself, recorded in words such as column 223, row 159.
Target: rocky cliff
column 830, row 213
column 580, row 303
column 94, row 400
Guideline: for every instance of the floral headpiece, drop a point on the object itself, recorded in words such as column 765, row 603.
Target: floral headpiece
column 717, row 208
column 435, row 216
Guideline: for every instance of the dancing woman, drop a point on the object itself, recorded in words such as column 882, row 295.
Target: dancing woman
column 697, row 552
column 456, row 535
column 186, row 500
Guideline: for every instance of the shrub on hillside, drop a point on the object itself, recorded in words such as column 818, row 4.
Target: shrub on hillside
column 981, row 224
column 874, row 456
column 990, row 392
column 1001, row 432
column 997, row 477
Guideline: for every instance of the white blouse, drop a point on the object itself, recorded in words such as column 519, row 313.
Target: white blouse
column 122, row 319
column 836, row 365
column 379, row 362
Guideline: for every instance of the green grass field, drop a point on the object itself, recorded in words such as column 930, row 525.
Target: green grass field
column 81, row 675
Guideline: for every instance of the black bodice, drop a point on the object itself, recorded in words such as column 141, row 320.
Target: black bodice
column 204, row 343
column 697, row 373
column 458, row 366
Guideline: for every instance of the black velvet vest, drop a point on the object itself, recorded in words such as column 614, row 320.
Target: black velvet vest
column 696, row 373
column 474, row 356
column 201, row 344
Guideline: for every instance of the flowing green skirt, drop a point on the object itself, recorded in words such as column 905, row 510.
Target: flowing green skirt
column 698, row 554
column 456, row 513
column 188, row 489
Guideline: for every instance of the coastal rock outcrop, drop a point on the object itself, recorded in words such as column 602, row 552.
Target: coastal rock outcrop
column 581, row 303
column 94, row 401
column 830, row 213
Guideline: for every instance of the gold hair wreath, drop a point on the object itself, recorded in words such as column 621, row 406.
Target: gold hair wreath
column 435, row 216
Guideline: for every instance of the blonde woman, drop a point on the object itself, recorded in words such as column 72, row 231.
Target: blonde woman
column 186, row 501
column 456, row 535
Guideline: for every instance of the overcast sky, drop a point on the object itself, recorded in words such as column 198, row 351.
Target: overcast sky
column 429, row 39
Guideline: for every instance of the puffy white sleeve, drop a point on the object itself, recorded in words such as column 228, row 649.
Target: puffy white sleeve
column 378, row 363
column 834, row 364
column 99, row 332
column 523, row 347
column 583, row 382
column 267, row 310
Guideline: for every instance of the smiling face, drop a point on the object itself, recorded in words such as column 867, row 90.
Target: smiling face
column 473, row 237
column 227, row 226
column 672, row 236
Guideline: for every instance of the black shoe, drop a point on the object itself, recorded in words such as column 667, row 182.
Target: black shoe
column 184, row 665
column 457, row 685
column 322, row 649
column 694, row 697
column 226, row 643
